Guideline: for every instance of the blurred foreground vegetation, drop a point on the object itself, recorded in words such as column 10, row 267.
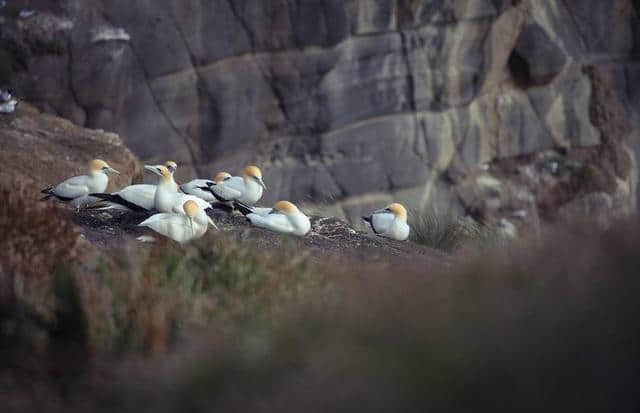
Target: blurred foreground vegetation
column 549, row 325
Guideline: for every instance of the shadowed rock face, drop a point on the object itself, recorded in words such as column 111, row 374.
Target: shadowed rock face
column 345, row 104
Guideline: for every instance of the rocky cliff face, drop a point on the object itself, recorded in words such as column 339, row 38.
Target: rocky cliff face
column 505, row 109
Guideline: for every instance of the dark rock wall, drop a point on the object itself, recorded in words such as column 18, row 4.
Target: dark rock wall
column 349, row 103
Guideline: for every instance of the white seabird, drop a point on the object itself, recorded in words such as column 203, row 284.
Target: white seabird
column 166, row 198
column 246, row 189
column 190, row 224
column 9, row 107
column 137, row 197
column 77, row 189
column 5, row 95
column 201, row 187
column 390, row 222
column 284, row 217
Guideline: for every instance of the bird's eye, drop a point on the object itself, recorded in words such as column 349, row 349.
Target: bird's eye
column 104, row 168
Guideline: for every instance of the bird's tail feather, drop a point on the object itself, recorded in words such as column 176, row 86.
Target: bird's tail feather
column 117, row 199
column 243, row 208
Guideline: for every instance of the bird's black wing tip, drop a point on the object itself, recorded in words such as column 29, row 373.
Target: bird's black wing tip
column 117, row 199
column 47, row 190
column 366, row 219
column 243, row 208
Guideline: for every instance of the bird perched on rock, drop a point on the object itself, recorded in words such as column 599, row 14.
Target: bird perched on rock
column 76, row 190
column 201, row 187
column 138, row 197
column 284, row 217
column 390, row 222
column 5, row 95
column 166, row 198
column 8, row 103
column 192, row 223
column 246, row 189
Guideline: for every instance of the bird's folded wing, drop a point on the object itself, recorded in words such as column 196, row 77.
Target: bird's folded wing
column 155, row 218
column 225, row 193
column 381, row 221
column 73, row 187
column 275, row 222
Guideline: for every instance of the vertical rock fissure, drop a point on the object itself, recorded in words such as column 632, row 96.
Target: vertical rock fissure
column 201, row 80
column 72, row 90
column 155, row 99
column 243, row 24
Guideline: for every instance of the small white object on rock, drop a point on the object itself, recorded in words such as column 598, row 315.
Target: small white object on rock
column 25, row 14
column 507, row 229
column 5, row 96
column 107, row 34
column 484, row 166
column 521, row 213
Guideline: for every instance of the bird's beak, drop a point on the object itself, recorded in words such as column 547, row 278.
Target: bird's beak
column 113, row 170
column 212, row 223
column 261, row 182
column 152, row 168
column 381, row 211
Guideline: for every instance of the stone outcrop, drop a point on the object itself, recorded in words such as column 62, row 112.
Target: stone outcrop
column 348, row 104
column 40, row 150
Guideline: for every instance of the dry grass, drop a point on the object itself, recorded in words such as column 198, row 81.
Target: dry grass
column 449, row 233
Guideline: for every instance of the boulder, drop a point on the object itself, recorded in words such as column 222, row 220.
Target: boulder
column 41, row 150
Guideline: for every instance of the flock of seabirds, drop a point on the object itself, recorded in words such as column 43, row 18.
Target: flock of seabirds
column 181, row 210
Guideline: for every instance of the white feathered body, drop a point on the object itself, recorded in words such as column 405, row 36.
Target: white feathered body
column 178, row 226
column 295, row 223
column 238, row 188
column 78, row 188
column 388, row 225
column 195, row 187
column 166, row 200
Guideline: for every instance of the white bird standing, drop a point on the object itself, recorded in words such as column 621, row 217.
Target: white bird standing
column 390, row 222
column 77, row 189
column 138, row 197
column 246, row 189
column 284, row 217
column 166, row 198
column 201, row 187
column 190, row 224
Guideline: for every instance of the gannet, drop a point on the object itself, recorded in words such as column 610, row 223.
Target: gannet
column 284, row 217
column 5, row 95
column 171, row 166
column 201, row 187
column 166, row 198
column 138, row 197
column 77, row 189
column 246, row 189
column 180, row 227
column 390, row 222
